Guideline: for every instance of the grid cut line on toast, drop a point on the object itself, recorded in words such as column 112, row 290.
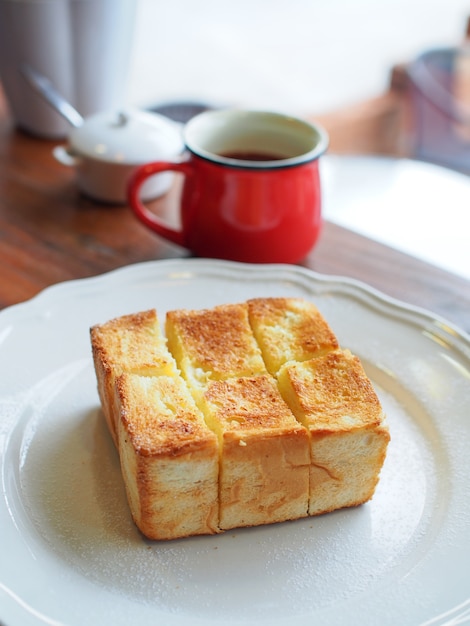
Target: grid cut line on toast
column 169, row 457
column 264, row 451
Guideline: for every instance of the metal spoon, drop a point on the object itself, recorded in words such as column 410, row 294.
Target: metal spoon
column 45, row 88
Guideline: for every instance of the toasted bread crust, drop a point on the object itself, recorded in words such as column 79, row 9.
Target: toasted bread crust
column 252, row 414
column 169, row 456
column 265, row 480
column 218, row 341
column 335, row 400
column 265, row 457
column 132, row 343
column 160, row 417
column 289, row 329
column 332, row 393
column 247, row 404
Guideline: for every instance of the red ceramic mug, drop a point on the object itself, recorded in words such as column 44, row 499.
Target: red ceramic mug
column 251, row 191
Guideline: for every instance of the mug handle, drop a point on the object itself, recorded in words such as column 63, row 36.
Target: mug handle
column 144, row 214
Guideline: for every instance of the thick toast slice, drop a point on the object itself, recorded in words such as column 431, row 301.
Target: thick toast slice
column 264, row 451
column 265, row 459
column 251, row 415
column 213, row 344
column 289, row 329
column 131, row 343
column 334, row 399
column 169, row 457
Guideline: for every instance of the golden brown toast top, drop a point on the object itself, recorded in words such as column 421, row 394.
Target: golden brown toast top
column 218, row 341
column 289, row 329
column 248, row 405
column 331, row 393
column 132, row 343
column 160, row 416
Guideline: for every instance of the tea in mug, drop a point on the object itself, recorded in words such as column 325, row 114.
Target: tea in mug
column 247, row 155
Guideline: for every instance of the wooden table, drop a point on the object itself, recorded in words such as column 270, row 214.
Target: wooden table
column 50, row 233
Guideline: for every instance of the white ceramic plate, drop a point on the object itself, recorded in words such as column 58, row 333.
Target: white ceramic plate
column 70, row 553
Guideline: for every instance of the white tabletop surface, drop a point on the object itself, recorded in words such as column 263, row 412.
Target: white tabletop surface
column 418, row 208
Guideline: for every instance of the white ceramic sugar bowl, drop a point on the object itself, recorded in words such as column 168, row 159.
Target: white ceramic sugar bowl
column 108, row 146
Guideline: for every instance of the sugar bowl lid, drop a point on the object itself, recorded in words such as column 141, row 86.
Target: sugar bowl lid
column 130, row 137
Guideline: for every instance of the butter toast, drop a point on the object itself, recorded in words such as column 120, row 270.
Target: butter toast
column 289, row 329
column 264, row 451
column 334, row 399
column 131, row 343
column 169, row 457
column 239, row 415
column 213, row 344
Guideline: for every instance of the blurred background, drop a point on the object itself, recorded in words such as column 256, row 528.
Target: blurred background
column 343, row 63
column 333, row 61
column 301, row 56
